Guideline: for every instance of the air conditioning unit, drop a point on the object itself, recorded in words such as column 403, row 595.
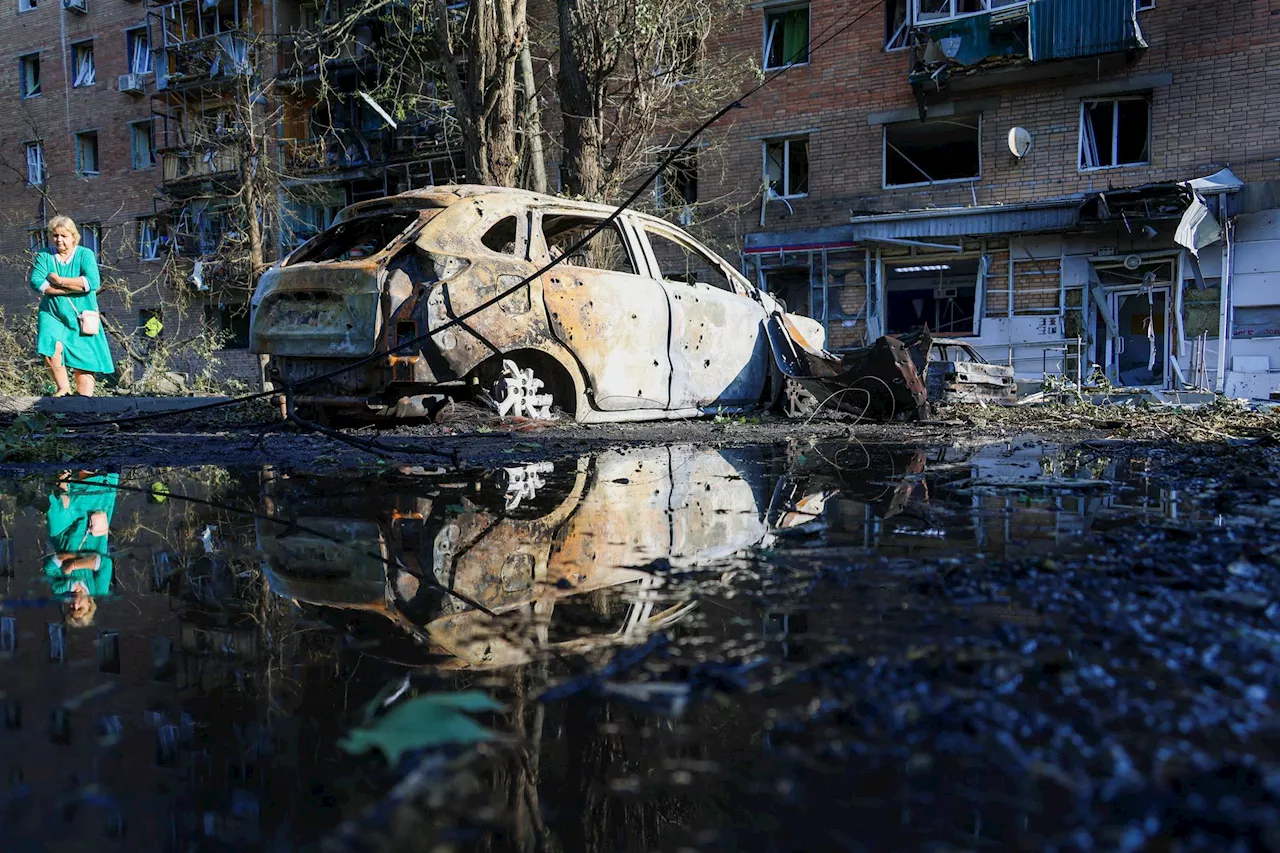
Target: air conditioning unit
column 133, row 83
column 81, row 6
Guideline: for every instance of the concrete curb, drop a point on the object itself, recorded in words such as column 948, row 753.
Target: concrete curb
column 73, row 405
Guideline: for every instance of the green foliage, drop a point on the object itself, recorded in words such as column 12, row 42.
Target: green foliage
column 428, row 721
column 34, row 438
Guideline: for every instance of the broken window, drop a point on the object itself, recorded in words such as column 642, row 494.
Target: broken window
column 1262, row 321
column 35, row 164
column 932, row 151
column 501, row 237
column 35, row 241
column 1115, row 132
column 232, row 321
column 142, row 145
column 82, row 64
column 91, row 237
column 786, row 166
column 677, row 186
column 148, row 239
column 606, row 250
column 356, row 238
column 87, row 154
column 29, row 75
column 938, row 293
column 786, row 36
column 138, row 43
column 685, row 263
column 26, row 5
column 896, row 24
column 792, row 286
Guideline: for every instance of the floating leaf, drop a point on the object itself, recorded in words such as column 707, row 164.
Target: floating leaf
column 432, row 720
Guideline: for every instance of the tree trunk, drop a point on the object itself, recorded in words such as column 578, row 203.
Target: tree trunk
column 583, row 140
column 488, row 43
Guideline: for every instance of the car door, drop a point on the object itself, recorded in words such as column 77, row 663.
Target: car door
column 615, row 320
column 719, row 351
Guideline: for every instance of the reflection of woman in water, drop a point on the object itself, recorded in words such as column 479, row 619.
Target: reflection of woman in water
column 79, row 567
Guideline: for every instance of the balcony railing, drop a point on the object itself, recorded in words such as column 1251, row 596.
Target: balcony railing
column 206, row 60
column 178, row 166
column 948, row 37
column 348, row 148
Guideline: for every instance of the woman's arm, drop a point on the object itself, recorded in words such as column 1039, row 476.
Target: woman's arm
column 88, row 281
column 40, row 273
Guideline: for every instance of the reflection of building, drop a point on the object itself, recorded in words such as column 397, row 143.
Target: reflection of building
column 167, row 724
column 897, row 199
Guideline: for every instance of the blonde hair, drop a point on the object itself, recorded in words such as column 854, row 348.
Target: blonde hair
column 66, row 224
column 80, row 620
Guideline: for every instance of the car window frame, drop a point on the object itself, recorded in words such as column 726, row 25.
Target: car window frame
column 409, row 235
column 635, row 250
column 741, row 287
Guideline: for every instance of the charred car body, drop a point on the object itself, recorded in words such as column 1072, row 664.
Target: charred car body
column 642, row 322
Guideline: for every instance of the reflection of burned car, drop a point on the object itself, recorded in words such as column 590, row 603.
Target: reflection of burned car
column 641, row 322
column 497, row 570
column 958, row 373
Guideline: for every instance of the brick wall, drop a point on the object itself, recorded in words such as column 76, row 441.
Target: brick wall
column 1211, row 116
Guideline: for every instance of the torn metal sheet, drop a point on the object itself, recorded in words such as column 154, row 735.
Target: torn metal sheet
column 882, row 381
column 1197, row 228
column 640, row 323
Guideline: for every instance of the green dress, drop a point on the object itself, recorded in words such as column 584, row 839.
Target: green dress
column 69, row 533
column 59, row 314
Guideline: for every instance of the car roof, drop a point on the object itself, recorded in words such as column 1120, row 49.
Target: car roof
column 448, row 194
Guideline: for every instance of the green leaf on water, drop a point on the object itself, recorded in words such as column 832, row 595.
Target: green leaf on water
column 431, row 720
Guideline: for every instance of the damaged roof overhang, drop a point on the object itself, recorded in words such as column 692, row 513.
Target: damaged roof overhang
column 1158, row 201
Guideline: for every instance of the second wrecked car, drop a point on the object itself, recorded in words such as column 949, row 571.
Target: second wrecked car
column 640, row 323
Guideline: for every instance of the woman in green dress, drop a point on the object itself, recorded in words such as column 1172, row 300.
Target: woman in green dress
column 67, row 277
column 79, row 566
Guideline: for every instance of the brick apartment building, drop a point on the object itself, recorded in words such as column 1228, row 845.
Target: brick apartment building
column 134, row 118
column 881, row 222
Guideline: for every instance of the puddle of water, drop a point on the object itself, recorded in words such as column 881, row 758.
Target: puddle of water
column 799, row 647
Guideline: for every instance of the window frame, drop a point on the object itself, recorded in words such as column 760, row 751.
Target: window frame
column 1115, row 101
column 988, row 6
column 36, row 241
column 153, row 223
column 621, row 226
column 94, row 228
column 22, row 76
column 38, row 145
column 129, row 36
column 133, row 147
column 644, row 228
column 884, row 162
column 76, row 47
column 786, row 164
column 79, row 137
column 27, row 6
column 781, row 9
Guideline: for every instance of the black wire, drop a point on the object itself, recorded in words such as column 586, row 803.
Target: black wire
column 672, row 154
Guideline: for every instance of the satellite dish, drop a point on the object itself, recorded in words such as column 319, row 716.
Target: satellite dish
column 1019, row 141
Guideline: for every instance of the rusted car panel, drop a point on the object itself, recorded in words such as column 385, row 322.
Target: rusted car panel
column 435, row 567
column 604, row 331
column 959, row 374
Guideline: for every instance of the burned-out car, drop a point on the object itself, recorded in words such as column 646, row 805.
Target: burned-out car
column 641, row 322
column 959, row 374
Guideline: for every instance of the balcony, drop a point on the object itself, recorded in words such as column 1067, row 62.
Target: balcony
column 186, row 169
column 207, row 61
column 346, row 148
column 954, row 40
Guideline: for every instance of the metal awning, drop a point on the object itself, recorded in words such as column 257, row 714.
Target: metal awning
column 969, row 221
